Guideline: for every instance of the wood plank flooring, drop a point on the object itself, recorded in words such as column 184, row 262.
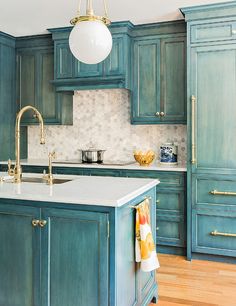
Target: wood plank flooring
column 195, row 283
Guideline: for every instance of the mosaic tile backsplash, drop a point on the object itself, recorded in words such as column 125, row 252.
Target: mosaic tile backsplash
column 101, row 119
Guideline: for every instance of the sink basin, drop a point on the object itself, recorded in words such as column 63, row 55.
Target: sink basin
column 43, row 181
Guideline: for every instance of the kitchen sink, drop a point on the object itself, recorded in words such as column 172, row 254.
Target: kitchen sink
column 43, row 181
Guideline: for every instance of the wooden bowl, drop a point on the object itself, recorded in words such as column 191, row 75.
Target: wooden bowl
column 144, row 158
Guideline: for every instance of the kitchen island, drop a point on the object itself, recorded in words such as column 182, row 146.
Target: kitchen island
column 72, row 244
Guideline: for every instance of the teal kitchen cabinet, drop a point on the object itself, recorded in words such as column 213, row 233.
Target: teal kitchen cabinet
column 75, row 258
column 7, row 95
column 20, row 256
column 211, row 130
column 170, row 209
column 35, row 69
column 158, row 79
column 211, row 66
column 113, row 72
column 70, row 254
column 170, row 204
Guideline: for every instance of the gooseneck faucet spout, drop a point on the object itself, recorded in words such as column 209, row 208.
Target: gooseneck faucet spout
column 17, row 171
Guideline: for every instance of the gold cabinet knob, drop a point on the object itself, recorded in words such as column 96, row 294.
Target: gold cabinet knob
column 157, row 114
column 157, row 202
column 162, row 114
column 157, row 228
column 35, row 222
column 42, row 223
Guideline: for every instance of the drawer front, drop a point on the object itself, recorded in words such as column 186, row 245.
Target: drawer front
column 214, row 234
column 174, row 179
column 170, row 201
column 216, row 191
column 104, row 172
column 170, row 230
column 213, row 32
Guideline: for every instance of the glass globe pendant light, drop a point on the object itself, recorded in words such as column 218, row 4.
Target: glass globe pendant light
column 90, row 40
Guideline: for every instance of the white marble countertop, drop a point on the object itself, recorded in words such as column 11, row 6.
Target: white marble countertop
column 88, row 190
column 134, row 166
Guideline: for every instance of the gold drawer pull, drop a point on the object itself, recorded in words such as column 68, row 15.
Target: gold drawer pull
column 215, row 233
column 42, row 223
column 35, row 222
column 215, row 192
column 193, row 101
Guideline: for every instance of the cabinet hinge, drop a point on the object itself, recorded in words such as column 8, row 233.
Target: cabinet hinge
column 108, row 229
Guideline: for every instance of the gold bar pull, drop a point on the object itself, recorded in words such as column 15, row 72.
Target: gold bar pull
column 35, row 222
column 193, row 102
column 42, row 223
column 215, row 233
column 227, row 193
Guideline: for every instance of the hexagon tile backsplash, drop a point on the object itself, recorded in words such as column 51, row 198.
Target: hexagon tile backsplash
column 101, row 119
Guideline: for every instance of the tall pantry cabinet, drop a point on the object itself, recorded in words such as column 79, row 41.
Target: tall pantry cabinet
column 211, row 96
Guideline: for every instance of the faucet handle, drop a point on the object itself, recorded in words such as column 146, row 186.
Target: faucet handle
column 52, row 155
column 10, row 171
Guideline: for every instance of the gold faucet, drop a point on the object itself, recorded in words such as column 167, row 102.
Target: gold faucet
column 49, row 177
column 17, row 171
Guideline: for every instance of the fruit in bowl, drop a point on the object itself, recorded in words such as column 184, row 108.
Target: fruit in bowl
column 144, row 158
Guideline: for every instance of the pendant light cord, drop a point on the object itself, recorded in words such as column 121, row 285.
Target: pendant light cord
column 79, row 8
column 89, row 9
column 105, row 8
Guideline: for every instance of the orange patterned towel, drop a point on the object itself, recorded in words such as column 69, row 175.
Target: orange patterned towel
column 145, row 249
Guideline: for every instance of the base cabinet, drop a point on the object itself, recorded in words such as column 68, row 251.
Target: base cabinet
column 19, row 257
column 77, row 255
column 76, row 263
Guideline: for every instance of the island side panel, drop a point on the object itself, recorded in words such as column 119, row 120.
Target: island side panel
column 134, row 287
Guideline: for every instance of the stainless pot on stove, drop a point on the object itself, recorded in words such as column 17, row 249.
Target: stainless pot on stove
column 92, row 156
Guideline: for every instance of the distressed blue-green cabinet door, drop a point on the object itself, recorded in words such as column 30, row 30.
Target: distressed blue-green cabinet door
column 82, row 70
column 7, row 97
column 64, row 60
column 114, row 63
column 27, row 81
column 213, row 82
column 146, row 81
column 75, row 260
column 19, row 256
column 47, row 102
column 173, row 80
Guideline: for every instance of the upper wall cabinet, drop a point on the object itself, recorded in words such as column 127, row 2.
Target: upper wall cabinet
column 113, row 72
column 7, row 95
column 159, row 74
column 35, row 69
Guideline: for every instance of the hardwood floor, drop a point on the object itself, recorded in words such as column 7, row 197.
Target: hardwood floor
column 196, row 283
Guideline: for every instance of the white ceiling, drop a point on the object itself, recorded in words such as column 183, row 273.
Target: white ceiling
column 28, row 17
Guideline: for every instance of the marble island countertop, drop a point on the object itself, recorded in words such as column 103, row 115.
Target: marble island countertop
column 87, row 190
column 106, row 165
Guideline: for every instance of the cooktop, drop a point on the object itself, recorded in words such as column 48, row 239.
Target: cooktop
column 105, row 163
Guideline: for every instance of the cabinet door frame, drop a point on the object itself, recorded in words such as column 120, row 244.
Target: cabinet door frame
column 102, row 219
column 150, row 118
column 193, row 90
column 31, row 213
column 20, row 53
column 173, row 118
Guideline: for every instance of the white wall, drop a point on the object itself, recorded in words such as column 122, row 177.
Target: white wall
column 102, row 119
